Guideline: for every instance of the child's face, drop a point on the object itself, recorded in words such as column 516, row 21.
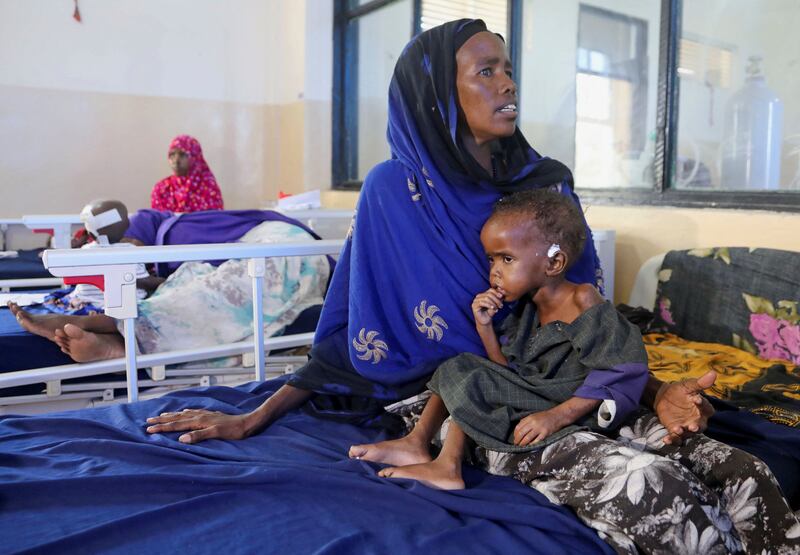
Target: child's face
column 517, row 256
column 179, row 161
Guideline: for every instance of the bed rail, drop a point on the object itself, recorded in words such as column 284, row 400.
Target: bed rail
column 60, row 225
column 7, row 285
column 116, row 265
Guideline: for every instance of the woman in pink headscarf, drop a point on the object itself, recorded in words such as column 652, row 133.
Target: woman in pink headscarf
column 192, row 187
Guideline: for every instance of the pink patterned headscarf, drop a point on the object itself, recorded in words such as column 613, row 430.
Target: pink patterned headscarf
column 198, row 190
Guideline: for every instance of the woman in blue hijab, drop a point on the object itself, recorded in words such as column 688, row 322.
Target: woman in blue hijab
column 400, row 297
column 399, row 300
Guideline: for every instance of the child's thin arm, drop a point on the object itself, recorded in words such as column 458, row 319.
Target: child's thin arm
column 484, row 307
column 492, row 345
column 537, row 426
column 574, row 408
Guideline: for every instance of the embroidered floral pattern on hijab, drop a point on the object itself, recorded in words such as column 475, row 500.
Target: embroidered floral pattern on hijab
column 428, row 322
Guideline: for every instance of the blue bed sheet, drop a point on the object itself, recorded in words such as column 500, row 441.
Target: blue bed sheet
column 777, row 445
column 27, row 264
column 95, row 481
column 20, row 350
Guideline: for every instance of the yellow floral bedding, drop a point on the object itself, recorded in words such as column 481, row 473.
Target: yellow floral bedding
column 770, row 388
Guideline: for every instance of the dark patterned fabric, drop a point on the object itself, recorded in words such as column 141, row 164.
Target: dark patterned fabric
column 646, row 497
column 734, row 296
column 642, row 496
column 547, row 365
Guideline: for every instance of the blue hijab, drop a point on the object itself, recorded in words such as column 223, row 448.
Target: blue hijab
column 400, row 298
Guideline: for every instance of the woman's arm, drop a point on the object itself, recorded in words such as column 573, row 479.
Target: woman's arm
column 679, row 405
column 204, row 424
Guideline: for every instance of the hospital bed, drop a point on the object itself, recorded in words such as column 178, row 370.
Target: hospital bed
column 59, row 226
column 111, row 487
column 24, row 269
column 60, row 384
column 114, row 269
column 94, row 480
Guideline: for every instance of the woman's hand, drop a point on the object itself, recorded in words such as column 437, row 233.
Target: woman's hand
column 205, row 424
column 536, row 427
column 681, row 409
column 485, row 306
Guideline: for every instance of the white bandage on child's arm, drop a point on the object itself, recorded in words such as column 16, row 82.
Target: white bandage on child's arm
column 606, row 413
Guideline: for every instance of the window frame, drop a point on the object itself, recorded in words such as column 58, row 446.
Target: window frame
column 345, row 118
column 668, row 96
column 344, row 147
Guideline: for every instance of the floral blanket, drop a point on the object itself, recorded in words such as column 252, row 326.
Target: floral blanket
column 746, row 298
column 732, row 297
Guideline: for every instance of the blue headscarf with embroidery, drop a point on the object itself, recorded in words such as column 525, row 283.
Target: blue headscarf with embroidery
column 400, row 298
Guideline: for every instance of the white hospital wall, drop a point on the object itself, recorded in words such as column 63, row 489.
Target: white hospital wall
column 88, row 109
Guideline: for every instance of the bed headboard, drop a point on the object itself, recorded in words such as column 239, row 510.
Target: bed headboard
column 645, row 286
column 746, row 298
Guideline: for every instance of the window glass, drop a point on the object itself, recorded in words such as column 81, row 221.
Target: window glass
column 739, row 113
column 382, row 35
column 493, row 12
column 588, row 87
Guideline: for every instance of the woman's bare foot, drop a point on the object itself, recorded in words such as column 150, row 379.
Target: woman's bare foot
column 43, row 325
column 87, row 346
column 400, row 452
column 436, row 474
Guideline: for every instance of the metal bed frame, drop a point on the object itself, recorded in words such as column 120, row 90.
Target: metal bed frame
column 115, row 267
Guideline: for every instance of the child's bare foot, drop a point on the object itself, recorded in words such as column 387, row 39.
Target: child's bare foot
column 44, row 325
column 400, row 452
column 435, row 474
column 87, row 346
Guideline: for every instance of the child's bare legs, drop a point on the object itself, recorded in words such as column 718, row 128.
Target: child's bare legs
column 87, row 346
column 413, row 448
column 45, row 325
column 444, row 472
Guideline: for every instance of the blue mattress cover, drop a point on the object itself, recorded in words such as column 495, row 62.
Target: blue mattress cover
column 21, row 350
column 27, row 264
column 94, row 481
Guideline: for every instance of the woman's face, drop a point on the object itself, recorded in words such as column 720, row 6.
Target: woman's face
column 486, row 93
column 179, row 161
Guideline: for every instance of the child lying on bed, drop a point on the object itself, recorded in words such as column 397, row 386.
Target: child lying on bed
column 177, row 315
column 532, row 407
column 105, row 223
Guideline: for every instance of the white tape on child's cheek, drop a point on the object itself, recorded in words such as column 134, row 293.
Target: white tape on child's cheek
column 554, row 248
column 96, row 222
